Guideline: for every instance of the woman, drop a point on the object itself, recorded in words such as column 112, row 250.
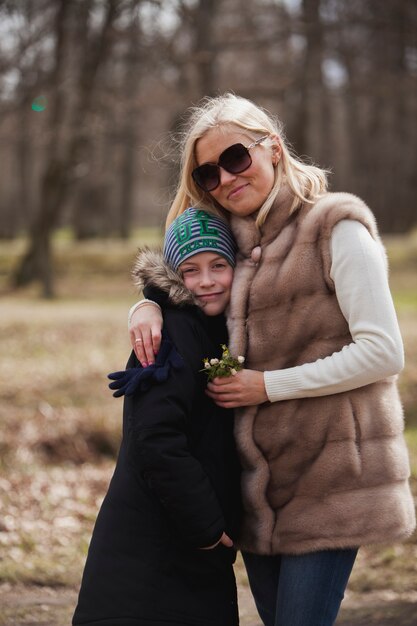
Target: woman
column 319, row 431
column 162, row 551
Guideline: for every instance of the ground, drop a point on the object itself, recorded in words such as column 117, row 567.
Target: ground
column 60, row 431
column 47, row 606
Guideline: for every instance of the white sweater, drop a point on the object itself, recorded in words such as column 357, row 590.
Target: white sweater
column 359, row 273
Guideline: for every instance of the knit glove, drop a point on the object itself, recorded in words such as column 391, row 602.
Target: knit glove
column 127, row 382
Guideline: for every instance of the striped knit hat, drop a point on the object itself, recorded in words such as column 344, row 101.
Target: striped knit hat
column 198, row 231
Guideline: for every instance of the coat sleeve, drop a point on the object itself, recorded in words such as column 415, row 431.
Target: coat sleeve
column 159, row 445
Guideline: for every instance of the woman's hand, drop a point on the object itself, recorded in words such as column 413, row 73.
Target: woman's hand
column 247, row 387
column 145, row 333
column 224, row 539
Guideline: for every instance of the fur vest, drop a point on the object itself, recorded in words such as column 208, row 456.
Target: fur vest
column 323, row 472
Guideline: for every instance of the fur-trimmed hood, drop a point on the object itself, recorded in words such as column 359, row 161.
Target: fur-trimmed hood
column 151, row 270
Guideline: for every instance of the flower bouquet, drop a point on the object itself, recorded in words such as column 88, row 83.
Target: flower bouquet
column 226, row 366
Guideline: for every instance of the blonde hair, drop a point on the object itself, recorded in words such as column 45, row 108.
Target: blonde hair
column 307, row 182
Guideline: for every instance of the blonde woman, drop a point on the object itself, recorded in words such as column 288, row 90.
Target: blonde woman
column 319, row 424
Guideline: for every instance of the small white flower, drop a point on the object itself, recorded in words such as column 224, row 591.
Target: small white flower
column 207, row 365
column 214, row 361
column 233, row 371
column 241, row 359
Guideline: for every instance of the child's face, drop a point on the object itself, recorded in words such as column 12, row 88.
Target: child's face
column 209, row 276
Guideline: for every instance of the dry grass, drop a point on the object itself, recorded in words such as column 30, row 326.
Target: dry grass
column 60, row 432
column 60, row 425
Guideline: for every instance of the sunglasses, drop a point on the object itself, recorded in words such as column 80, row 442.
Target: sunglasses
column 235, row 160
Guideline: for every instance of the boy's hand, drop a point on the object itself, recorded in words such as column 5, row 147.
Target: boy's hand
column 224, row 539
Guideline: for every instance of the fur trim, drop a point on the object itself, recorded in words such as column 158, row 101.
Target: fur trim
column 150, row 269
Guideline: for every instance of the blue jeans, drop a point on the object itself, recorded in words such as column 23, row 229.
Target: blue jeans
column 299, row 590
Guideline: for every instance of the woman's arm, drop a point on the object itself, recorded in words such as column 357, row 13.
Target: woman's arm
column 376, row 352
column 145, row 330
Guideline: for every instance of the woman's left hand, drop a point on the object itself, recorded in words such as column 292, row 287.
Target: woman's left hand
column 245, row 388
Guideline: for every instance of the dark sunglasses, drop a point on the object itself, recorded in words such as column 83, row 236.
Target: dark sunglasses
column 235, row 159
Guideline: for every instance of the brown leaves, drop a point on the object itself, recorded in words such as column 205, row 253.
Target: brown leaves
column 59, row 424
column 47, row 517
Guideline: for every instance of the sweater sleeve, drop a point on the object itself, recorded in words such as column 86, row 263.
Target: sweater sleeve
column 153, row 296
column 158, row 446
column 359, row 274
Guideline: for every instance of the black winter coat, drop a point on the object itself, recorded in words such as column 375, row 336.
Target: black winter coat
column 175, row 489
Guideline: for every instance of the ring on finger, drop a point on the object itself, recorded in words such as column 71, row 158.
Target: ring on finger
column 138, row 340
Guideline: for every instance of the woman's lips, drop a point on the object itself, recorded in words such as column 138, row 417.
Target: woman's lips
column 235, row 192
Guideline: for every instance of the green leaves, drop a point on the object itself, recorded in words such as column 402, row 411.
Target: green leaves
column 226, row 366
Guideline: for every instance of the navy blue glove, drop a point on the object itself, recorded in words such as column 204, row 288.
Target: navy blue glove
column 127, row 382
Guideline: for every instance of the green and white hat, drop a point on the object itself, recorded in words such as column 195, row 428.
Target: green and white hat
column 198, row 231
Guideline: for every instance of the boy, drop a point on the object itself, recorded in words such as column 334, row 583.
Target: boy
column 162, row 547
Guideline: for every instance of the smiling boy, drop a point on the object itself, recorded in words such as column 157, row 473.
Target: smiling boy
column 162, row 551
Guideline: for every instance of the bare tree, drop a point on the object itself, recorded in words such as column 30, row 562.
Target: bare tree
column 125, row 71
column 375, row 43
column 129, row 133
column 64, row 155
column 205, row 50
column 311, row 119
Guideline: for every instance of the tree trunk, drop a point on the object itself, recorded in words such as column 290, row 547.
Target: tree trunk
column 309, row 139
column 130, row 130
column 37, row 262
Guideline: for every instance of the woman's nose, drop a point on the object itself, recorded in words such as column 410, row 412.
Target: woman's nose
column 226, row 177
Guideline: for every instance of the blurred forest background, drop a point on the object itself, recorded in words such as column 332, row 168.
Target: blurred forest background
column 92, row 96
column 91, row 89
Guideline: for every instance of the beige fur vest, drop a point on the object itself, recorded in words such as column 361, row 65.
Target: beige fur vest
column 323, row 472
